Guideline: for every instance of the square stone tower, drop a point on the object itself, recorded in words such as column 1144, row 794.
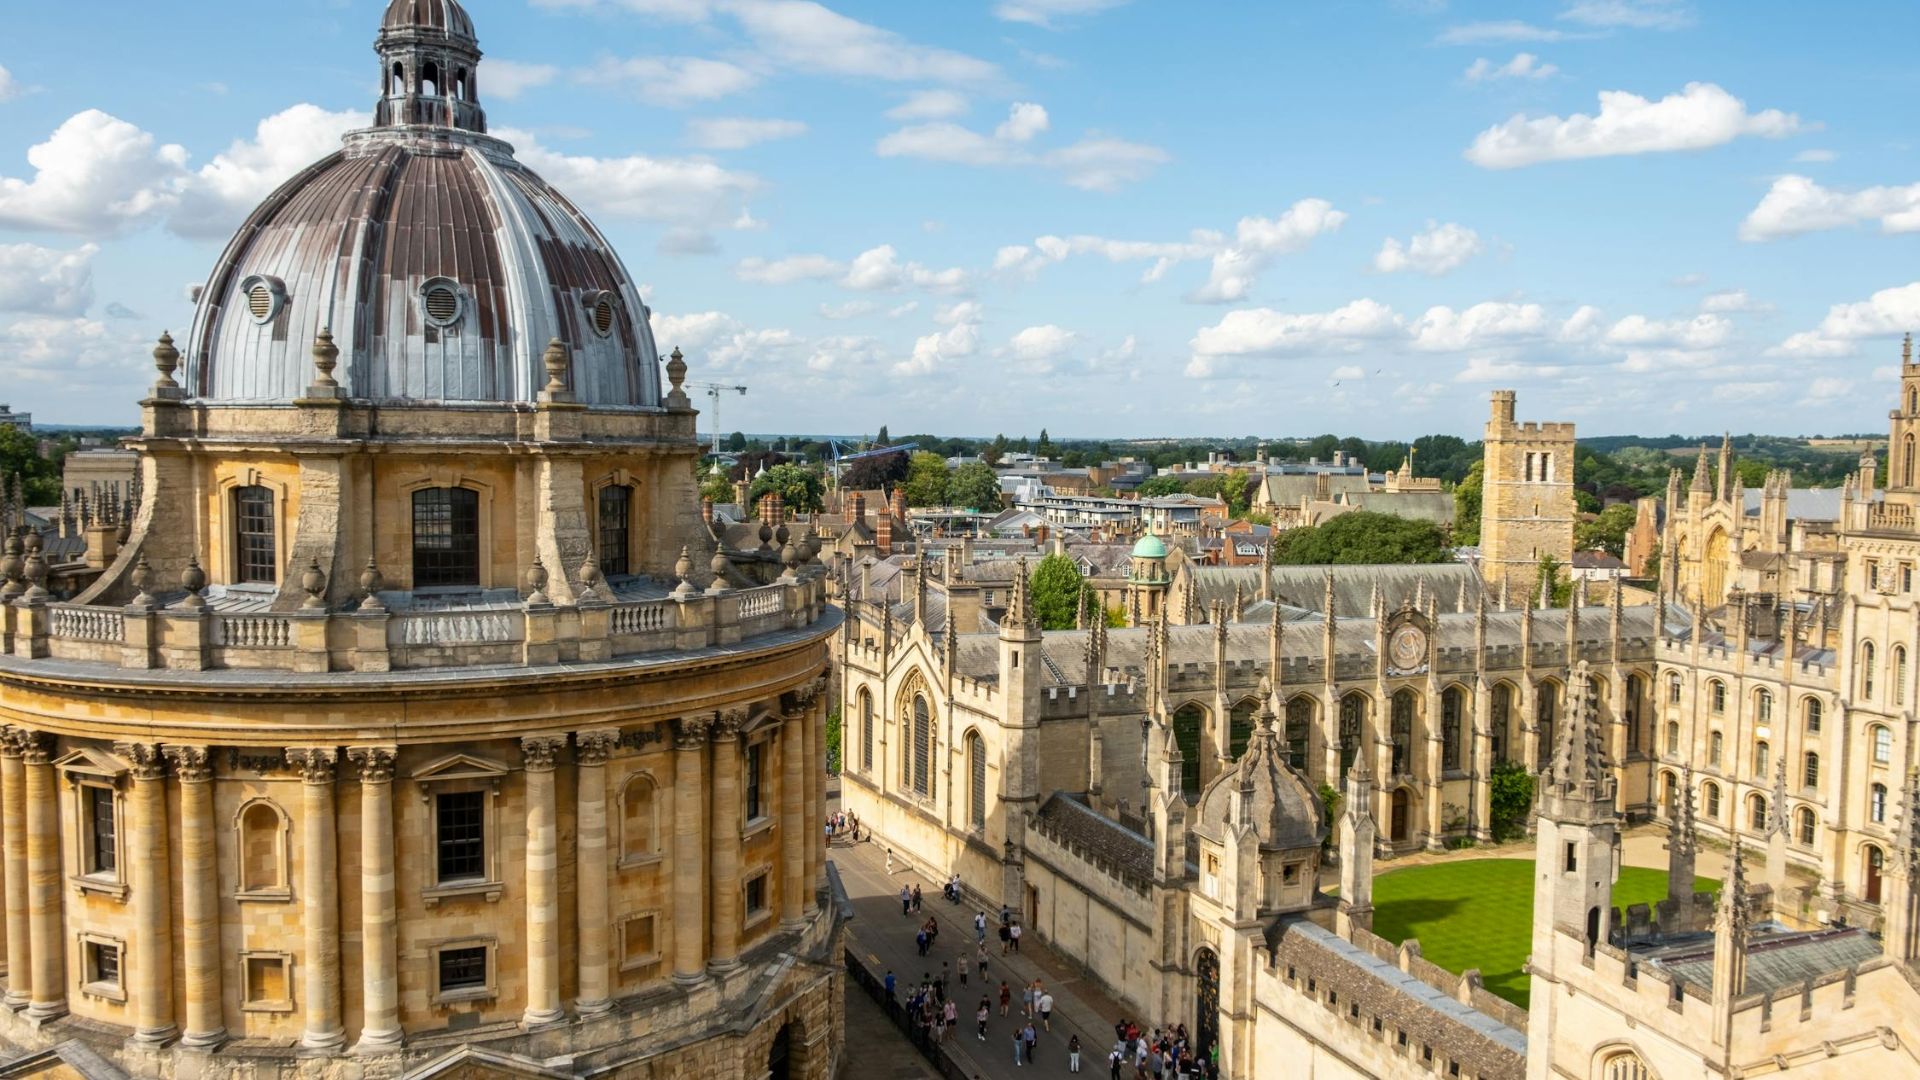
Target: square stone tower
column 1527, row 508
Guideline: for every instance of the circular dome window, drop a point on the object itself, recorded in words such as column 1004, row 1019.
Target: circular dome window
column 440, row 300
column 265, row 296
column 603, row 314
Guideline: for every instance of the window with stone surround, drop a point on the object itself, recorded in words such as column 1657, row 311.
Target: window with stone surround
column 261, row 829
column 1624, row 1065
column 101, row 957
column 1805, row 823
column 754, row 892
column 616, row 527
column 256, row 556
column 639, row 945
column 266, row 982
column 1810, row 708
column 96, row 781
column 639, row 820
column 463, row 969
column 460, row 836
column 756, row 774
column 446, row 537
column 1882, row 737
column 462, row 794
column 866, row 731
column 976, row 781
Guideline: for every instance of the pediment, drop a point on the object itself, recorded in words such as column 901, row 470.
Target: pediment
column 460, row 767
column 92, row 761
column 474, row 1063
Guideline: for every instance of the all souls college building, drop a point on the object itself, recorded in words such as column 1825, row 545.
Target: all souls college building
column 416, row 722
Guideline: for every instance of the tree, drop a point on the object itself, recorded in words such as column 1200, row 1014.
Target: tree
column 1359, row 538
column 1157, row 486
column 1466, row 505
column 995, row 450
column 799, row 487
column 1608, row 532
column 737, row 441
column 926, row 483
column 833, row 742
column 1055, row 589
column 1653, row 562
column 1560, row 594
column 1510, row 798
column 881, row 439
column 974, row 486
column 717, row 488
column 879, row 471
column 20, row 456
column 1237, row 489
column 1045, row 445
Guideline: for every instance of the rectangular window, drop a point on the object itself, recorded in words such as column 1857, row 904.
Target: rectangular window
column 265, row 986
column 756, row 895
column 637, row 947
column 462, row 840
column 756, row 754
column 103, row 847
column 256, row 560
column 446, row 537
column 1873, row 575
column 103, row 964
column 616, row 516
column 463, row 968
column 1572, row 859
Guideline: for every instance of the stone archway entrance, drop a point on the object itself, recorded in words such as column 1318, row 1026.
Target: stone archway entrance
column 780, row 1054
column 1402, row 805
column 1206, row 1019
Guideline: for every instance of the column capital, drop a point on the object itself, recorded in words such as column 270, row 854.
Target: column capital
column 690, row 732
column 540, row 752
column 145, row 760
column 594, row 747
column 728, row 722
column 35, row 746
column 10, row 743
column 374, row 762
column 191, row 764
column 316, row 763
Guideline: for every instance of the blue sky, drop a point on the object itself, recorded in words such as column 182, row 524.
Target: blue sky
column 1104, row 217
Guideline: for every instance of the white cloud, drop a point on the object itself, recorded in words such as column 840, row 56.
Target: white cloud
column 1522, row 66
column 671, row 81
column 1630, row 14
column 1023, row 122
column 1582, row 326
column 959, row 340
column 876, row 269
column 736, row 133
column 1236, row 267
column 722, row 342
column 673, row 191
column 1440, row 250
column 1811, row 345
column 44, row 281
column 1044, row 12
column 1815, row 156
column 1704, row 331
column 1885, row 313
column 1484, row 325
column 1488, row 369
column 1347, row 371
column 692, row 331
column 1266, row 332
column 946, row 142
column 9, row 87
column 852, row 309
column 1827, row 388
column 1098, row 163
column 1039, row 344
column 1507, row 30
column 73, row 362
column 1797, row 204
column 788, row 270
column 930, row 105
column 96, row 175
column 1731, row 300
column 508, row 79
column 805, row 36
column 227, row 188
column 1699, row 116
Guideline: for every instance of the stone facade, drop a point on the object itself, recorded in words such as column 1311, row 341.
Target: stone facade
column 1527, row 508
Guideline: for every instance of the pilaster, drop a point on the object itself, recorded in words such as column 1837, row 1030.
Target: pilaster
column 380, row 1030
column 689, row 850
column 540, row 753
column 591, row 749
column 199, row 899
column 323, row 1033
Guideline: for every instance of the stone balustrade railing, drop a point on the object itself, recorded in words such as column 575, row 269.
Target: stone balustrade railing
column 1889, row 517
column 199, row 638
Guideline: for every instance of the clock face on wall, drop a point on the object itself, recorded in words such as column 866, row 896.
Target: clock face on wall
column 1407, row 649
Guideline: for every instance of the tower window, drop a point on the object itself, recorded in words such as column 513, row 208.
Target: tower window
column 616, row 515
column 1572, row 862
column 430, row 80
column 256, row 561
column 446, row 537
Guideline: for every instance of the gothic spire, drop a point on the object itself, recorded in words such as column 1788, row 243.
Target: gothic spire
column 1701, row 483
column 1777, row 807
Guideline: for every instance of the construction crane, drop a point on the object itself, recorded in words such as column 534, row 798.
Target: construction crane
column 714, row 390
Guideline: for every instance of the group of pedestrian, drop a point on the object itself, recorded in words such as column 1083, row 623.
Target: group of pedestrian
column 844, row 823
column 1161, row 1054
column 928, row 1008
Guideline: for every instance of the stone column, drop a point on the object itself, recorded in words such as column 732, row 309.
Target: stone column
column 539, row 752
column 796, row 843
column 815, row 816
column 323, row 1031
column 689, row 849
column 199, row 899
column 591, row 749
column 724, row 860
column 13, row 846
column 379, row 950
column 45, row 921
column 152, row 895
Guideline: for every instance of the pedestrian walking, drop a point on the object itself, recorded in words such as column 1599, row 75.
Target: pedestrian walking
column 960, row 966
column 1019, row 1044
column 980, row 1019
column 1046, row 1010
column 1006, row 997
column 1113, row 1065
column 1026, row 1001
column 980, row 956
column 1006, row 939
column 980, row 927
column 1073, row 1054
column 920, row 940
column 890, row 984
column 916, row 897
column 952, row 1013
column 889, row 862
column 906, row 899
column 1033, row 1041
column 1015, row 934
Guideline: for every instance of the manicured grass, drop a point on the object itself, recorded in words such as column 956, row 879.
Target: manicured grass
column 1478, row 913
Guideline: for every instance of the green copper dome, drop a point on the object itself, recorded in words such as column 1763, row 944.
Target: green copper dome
column 1150, row 547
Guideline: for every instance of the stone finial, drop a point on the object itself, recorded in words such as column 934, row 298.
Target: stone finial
column 683, row 569
column 193, row 579
column 313, row 581
column 718, row 566
column 590, row 578
column 12, row 568
column 166, row 360
column 555, row 359
column 676, row 375
column 326, row 356
column 537, row 584
column 371, row 582
column 142, row 579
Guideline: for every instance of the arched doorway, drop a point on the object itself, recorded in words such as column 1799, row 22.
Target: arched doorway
column 1206, row 1004
column 1402, row 805
column 1876, row 864
column 780, row 1054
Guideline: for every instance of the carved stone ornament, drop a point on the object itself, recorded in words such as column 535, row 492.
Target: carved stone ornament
column 314, row 583
column 316, row 763
column 371, row 582
column 728, row 723
column 166, row 360
column 192, row 764
column 35, row 746
column 690, row 732
column 537, row 584
column 145, row 761
column 541, row 752
column 594, row 747
column 374, row 762
column 1407, row 644
column 143, row 582
column 326, row 356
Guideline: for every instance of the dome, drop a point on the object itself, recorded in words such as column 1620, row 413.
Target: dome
column 1150, row 547
column 441, row 264
column 1285, row 810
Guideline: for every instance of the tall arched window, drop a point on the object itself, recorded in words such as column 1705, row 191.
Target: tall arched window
column 1899, row 675
column 1882, row 736
column 446, row 537
column 1876, row 861
column 430, row 80
column 1811, row 773
column 1804, row 826
column 1635, row 690
column 1402, row 731
column 1810, row 708
column 1866, row 670
column 1711, row 796
column 1299, row 729
column 1452, row 706
column 1757, row 813
column 263, row 849
column 1240, row 727
column 1717, row 696
column 1353, row 711
column 639, row 819
column 1716, row 743
column 1187, row 721
column 1669, row 795
column 1673, row 736
column 1499, row 720
column 1673, row 689
column 976, row 780
column 1625, row 1065
column 866, row 731
column 1546, row 699
column 1877, row 804
column 616, row 525
column 1763, row 707
column 1762, row 760
column 1906, row 461
column 256, row 558
column 920, row 763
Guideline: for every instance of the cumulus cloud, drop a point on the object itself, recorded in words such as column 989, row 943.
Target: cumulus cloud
column 72, row 363
column 1699, row 116
column 1523, row 66
column 1704, row 331
column 1731, row 300
column 1023, row 122
column 225, row 189
column 788, row 270
column 671, row 81
column 1885, row 313
column 1489, row 369
column 43, row 281
column 1039, row 344
column 937, row 350
column 1094, row 163
column 1630, row 14
column 1440, row 250
column 1099, row 163
column 1046, row 12
column 1798, row 204
column 737, row 133
column 1270, row 333
column 877, row 269
column 1441, row 329
column 804, row 36
column 688, row 191
column 95, row 175
column 930, row 105
column 1257, row 240
column 508, row 79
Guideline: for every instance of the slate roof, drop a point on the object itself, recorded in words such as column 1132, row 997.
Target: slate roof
column 1803, row 504
column 1087, row 828
column 1305, row 586
column 1434, row 506
column 1776, row 957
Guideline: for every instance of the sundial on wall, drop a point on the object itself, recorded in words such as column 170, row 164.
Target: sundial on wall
column 1407, row 645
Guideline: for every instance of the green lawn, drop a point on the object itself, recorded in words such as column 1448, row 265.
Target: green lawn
column 1478, row 913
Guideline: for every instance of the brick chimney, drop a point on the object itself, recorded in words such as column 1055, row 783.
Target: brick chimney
column 883, row 533
column 858, row 513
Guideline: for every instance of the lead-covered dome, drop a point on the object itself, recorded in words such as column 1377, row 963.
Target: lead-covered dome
column 441, row 265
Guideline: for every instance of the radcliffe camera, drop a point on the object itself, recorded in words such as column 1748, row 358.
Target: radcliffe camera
column 830, row 540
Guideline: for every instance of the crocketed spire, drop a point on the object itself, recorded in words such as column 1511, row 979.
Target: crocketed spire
column 1579, row 756
column 1262, row 791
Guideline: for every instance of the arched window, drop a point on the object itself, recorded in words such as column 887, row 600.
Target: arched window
column 1452, row 705
column 1882, row 744
column 1717, row 696
column 397, row 80
column 1804, row 826
column 263, row 849
column 446, row 537
column 1353, row 711
column 920, row 764
column 1669, row 795
column 462, row 86
column 1711, row 792
column 1634, row 692
column 1762, row 760
column 1866, row 670
column 1673, row 689
column 1673, row 736
column 1906, row 458
column 1500, row 708
column 616, row 524
column 1716, row 742
column 1877, row 804
column 1402, row 732
column 1299, row 730
column 256, row 560
column 1876, row 861
column 866, row 731
column 1763, row 707
column 430, row 80
column 1811, row 774
column 1546, row 697
column 1810, row 709
column 1240, row 727
column 976, row 780
column 639, row 819
column 1757, row 813
column 1625, row 1065
column 1899, row 674
column 1187, row 721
